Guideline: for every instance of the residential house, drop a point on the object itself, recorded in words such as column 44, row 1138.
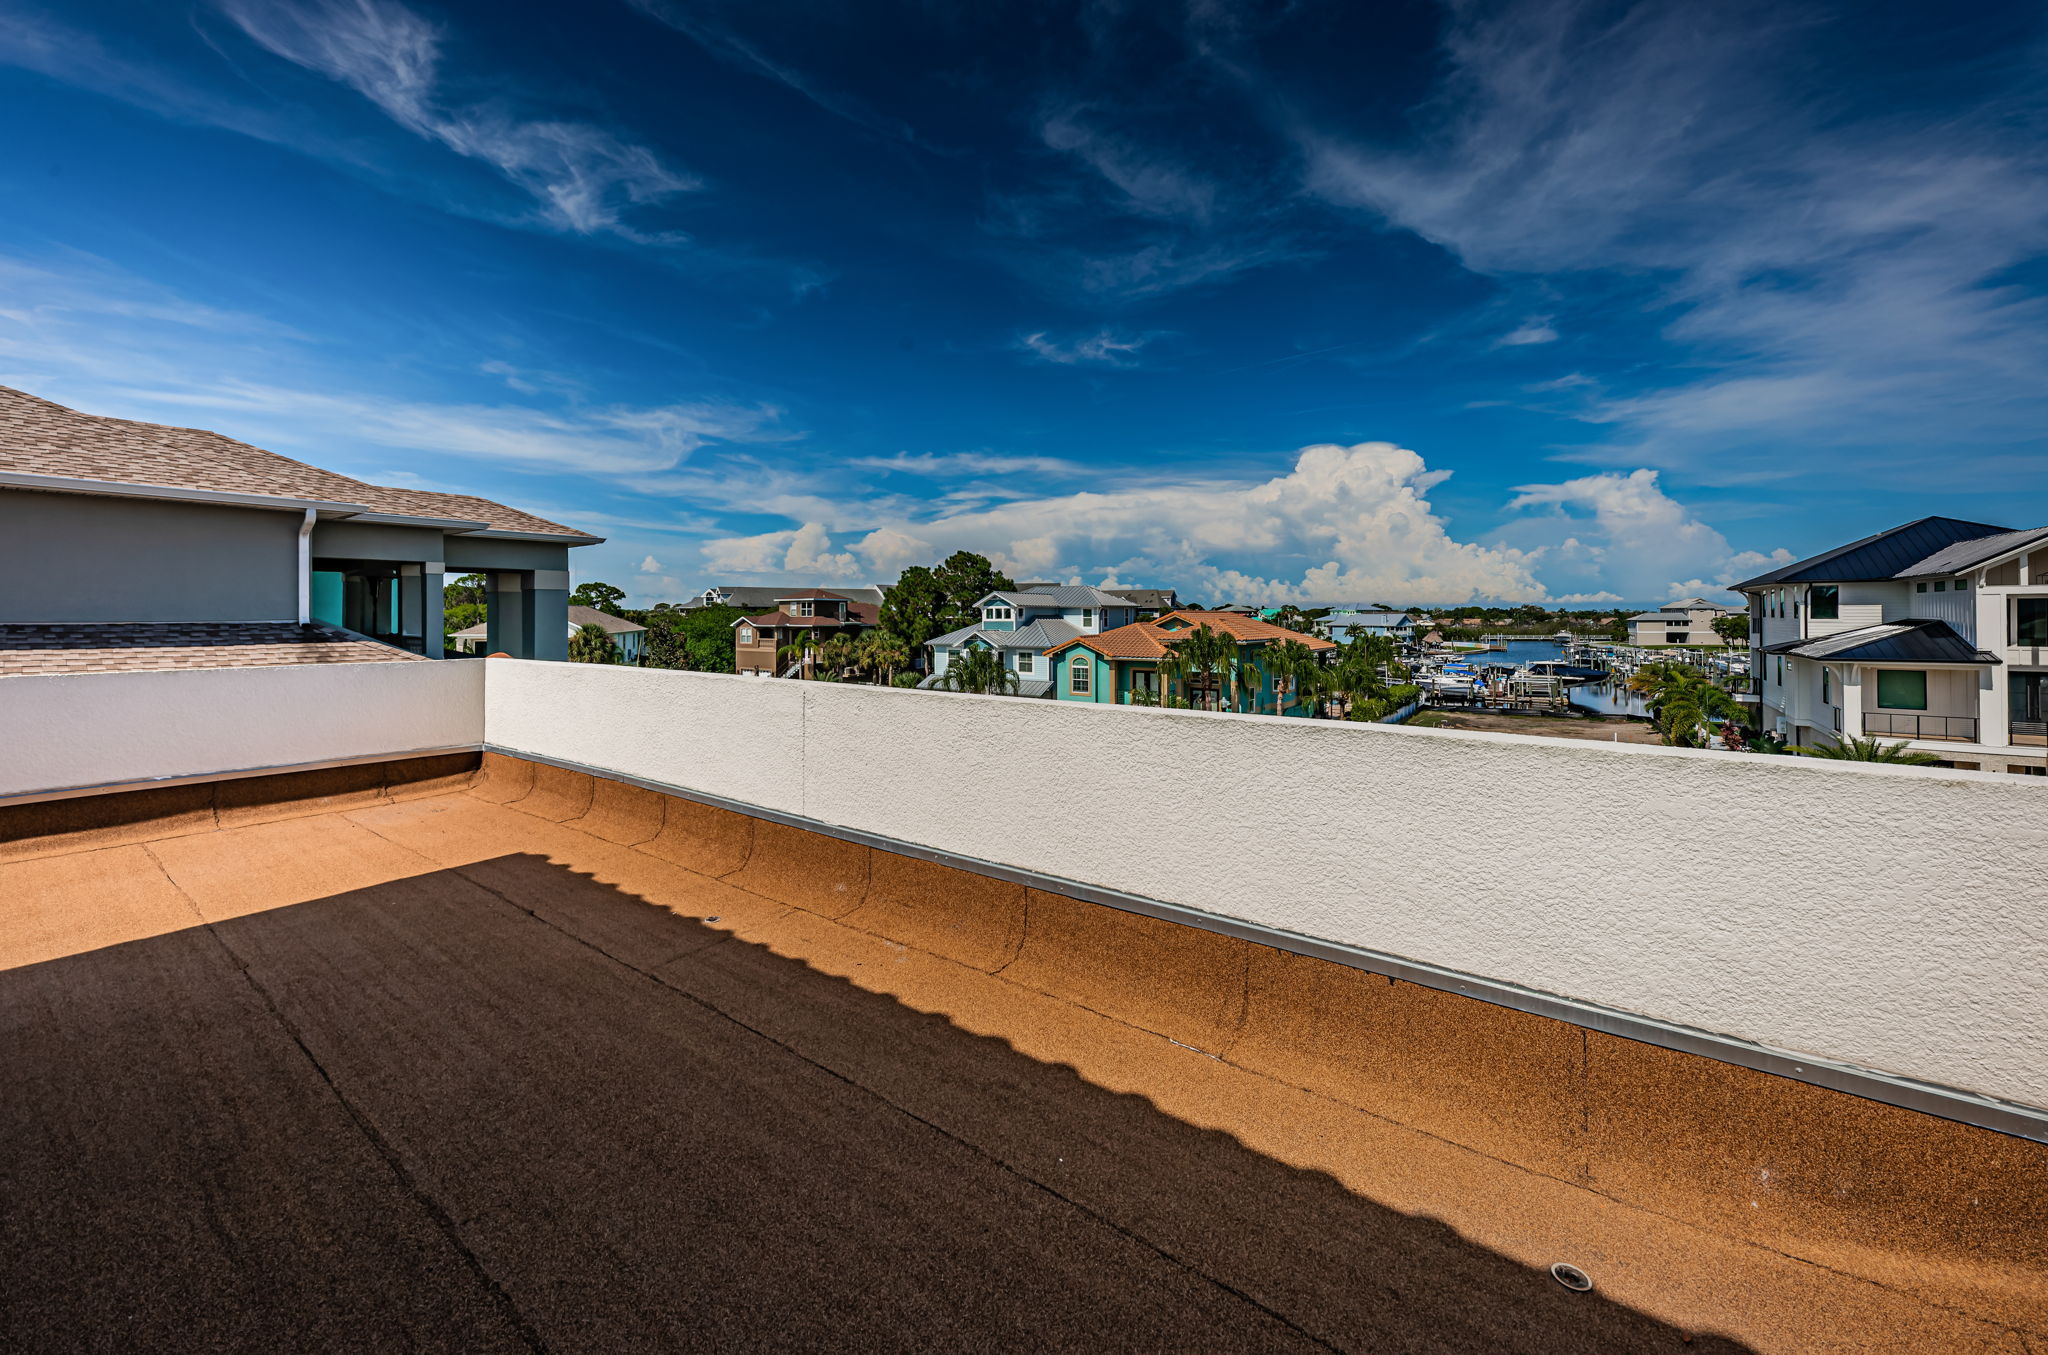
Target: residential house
column 761, row 599
column 816, row 614
column 1117, row 664
column 1935, row 632
column 1150, row 602
column 1022, row 625
column 142, row 538
column 1344, row 627
column 627, row 635
column 1688, row 621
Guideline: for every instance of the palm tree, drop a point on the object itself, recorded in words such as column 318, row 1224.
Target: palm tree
column 799, row 652
column 1211, row 655
column 1293, row 665
column 881, row 655
column 836, row 658
column 1683, row 703
column 1174, row 671
column 980, row 671
column 592, row 644
column 1869, row 750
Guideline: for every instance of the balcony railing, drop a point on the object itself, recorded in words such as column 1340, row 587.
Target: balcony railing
column 1962, row 728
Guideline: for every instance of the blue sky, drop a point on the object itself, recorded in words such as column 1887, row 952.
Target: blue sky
column 1308, row 301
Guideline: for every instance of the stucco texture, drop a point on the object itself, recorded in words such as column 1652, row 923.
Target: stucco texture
column 1888, row 918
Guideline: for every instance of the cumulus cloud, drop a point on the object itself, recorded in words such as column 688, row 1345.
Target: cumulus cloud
column 585, row 178
column 1626, row 531
column 650, row 565
column 1353, row 521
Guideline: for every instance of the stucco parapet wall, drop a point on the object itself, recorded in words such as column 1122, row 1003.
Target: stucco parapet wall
column 67, row 733
column 1878, row 918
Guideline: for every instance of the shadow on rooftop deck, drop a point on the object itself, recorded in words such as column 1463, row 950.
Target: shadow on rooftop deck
column 417, row 1115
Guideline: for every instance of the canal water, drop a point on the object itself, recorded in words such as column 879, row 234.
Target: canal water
column 1607, row 698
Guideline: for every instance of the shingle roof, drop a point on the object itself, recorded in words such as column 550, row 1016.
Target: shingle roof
column 1897, row 552
column 41, row 437
column 1892, row 642
column 133, row 647
column 857, row 614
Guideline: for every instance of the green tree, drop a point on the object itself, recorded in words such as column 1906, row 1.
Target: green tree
column 836, row 659
column 1294, row 618
column 600, row 596
column 1733, row 630
column 979, row 671
column 700, row 639
column 462, row 616
column 469, row 590
column 1869, row 750
column 915, row 609
column 590, row 644
column 881, row 655
column 965, row 579
column 1294, row 667
column 1176, row 672
column 1684, row 704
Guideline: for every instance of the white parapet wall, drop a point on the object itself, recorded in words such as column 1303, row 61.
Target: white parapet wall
column 1894, row 919
column 72, row 731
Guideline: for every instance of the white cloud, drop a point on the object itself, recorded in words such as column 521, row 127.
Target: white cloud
column 1104, row 348
column 1534, row 330
column 650, row 565
column 1355, row 521
column 585, row 178
column 941, row 465
column 1628, row 533
column 1841, row 279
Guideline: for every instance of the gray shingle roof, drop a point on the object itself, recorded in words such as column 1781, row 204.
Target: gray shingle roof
column 123, row 647
column 40, row 437
column 1892, row 642
column 1039, row 635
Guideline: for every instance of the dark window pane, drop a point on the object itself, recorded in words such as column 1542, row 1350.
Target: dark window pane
column 1826, row 602
column 2033, row 622
column 1900, row 689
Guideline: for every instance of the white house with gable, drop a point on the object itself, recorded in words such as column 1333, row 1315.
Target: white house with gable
column 1021, row 626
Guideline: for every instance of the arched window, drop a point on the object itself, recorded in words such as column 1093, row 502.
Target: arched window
column 1080, row 674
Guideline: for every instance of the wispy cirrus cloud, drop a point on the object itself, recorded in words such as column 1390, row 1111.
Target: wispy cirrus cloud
column 585, row 179
column 1840, row 278
column 952, row 464
column 1104, row 348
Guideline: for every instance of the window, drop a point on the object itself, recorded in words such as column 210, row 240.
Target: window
column 1827, row 686
column 1940, row 587
column 806, row 609
column 1902, row 689
column 1920, row 587
column 1824, row 602
column 1674, row 637
column 746, row 635
column 1023, row 661
column 1961, row 584
column 1781, row 670
column 1080, row 675
column 996, row 614
column 2031, row 617
column 1087, row 617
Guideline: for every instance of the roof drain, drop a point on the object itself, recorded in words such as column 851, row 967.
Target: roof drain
column 1571, row 1277
column 306, row 567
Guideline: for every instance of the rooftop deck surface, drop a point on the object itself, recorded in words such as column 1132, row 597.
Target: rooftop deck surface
column 440, row 1074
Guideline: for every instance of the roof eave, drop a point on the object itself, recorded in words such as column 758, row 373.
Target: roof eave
column 550, row 538
column 64, row 484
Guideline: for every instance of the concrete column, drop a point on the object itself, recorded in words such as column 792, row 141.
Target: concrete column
column 1852, row 701
column 411, row 605
column 1994, row 706
column 432, row 600
column 547, row 610
column 505, row 605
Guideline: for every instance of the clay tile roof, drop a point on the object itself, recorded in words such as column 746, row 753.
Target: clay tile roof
column 133, row 647
column 41, row 437
column 1149, row 639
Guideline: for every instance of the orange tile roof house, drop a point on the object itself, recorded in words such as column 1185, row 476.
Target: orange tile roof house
column 1121, row 666
column 153, row 546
